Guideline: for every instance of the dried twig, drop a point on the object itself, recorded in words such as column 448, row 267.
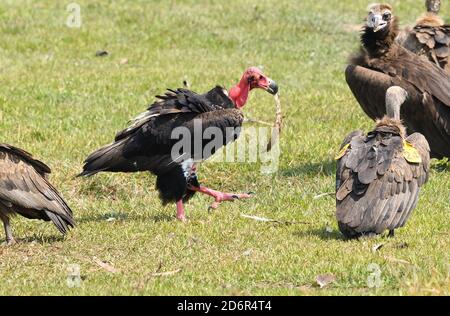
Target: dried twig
column 276, row 131
column 104, row 265
column 323, row 195
column 164, row 274
column 392, row 259
column 269, row 220
column 251, row 120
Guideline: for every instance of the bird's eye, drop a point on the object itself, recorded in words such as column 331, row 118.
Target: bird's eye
column 386, row 16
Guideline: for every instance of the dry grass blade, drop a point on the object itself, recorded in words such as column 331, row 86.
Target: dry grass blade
column 324, row 280
column 276, row 131
column 106, row 266
column 257, row 218
column 165, row 274
column 251, row 120
column 269, row 220
column 395, row 260
column 323, row 195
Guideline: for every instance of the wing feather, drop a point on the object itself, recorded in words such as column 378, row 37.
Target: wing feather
column 24, row 188
column 372, row 197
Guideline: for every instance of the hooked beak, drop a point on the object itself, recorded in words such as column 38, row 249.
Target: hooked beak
column 272, row 88
column 377, row 23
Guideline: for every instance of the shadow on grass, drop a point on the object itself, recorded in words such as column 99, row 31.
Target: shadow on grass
column 104, row 218
column 40, row 239
column 441, row 166
column 164, row 217
column 124, row 217
column 321, row 233
column 327, row 168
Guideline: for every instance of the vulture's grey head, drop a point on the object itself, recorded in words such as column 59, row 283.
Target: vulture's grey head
column 380, row 17
column 433, row 6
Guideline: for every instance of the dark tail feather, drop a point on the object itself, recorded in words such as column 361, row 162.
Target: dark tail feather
column 62, row 223
column 106, row 158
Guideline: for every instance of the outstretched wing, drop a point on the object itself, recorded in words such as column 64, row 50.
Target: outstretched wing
column 24, row 189
column 147, row 145
column 377, row 187
column 173, row 102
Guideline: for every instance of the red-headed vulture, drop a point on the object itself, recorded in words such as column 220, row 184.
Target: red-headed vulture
column 430, row 37
column 379, row 175
column 149, row 143
column 25, row 190
column 383, row 63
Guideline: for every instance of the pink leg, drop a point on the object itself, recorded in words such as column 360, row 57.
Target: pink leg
column 219, row 196
column 180, row 211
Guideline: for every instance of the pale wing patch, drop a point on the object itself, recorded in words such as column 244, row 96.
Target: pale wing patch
column 410, row 153
column 342, row 152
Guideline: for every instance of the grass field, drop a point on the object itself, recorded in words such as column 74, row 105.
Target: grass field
column 60, row 102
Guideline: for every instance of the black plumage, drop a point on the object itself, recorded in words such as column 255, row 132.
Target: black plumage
column 25, row 190
column 149, row 143
column 383, row 63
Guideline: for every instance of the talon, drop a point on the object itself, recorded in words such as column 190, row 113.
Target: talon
column 251, row 193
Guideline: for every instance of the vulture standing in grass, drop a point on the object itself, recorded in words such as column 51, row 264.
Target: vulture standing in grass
column 379, row 175
column 430, row 37
column 149, row 143
column 25, row 190
column 383, row 63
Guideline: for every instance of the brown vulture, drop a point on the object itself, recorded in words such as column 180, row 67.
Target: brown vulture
column 379, row 175
column 25, row 190
column 149, row 143
column 383, row 63
column 430, row 37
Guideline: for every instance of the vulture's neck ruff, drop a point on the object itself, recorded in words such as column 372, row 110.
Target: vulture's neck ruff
column 430, row 20
column 391, row 126
column 378, row 44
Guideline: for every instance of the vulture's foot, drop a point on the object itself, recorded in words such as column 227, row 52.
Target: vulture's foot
column 180, row 212
column 220, row 197
column 10, row 242
column 391, row 234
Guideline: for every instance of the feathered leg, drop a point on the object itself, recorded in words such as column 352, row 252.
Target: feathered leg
column 9, row 237
column 219, row 197
column 180, row 211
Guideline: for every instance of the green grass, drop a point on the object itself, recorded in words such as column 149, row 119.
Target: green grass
column 60, row 102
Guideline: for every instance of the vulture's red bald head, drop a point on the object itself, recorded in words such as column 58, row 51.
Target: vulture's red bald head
column 252, row 78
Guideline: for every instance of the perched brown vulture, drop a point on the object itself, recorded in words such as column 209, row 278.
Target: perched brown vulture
column 379, row 175
column 383, row 63
column 149, row 143
column 25, row 190
column 430, row 37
